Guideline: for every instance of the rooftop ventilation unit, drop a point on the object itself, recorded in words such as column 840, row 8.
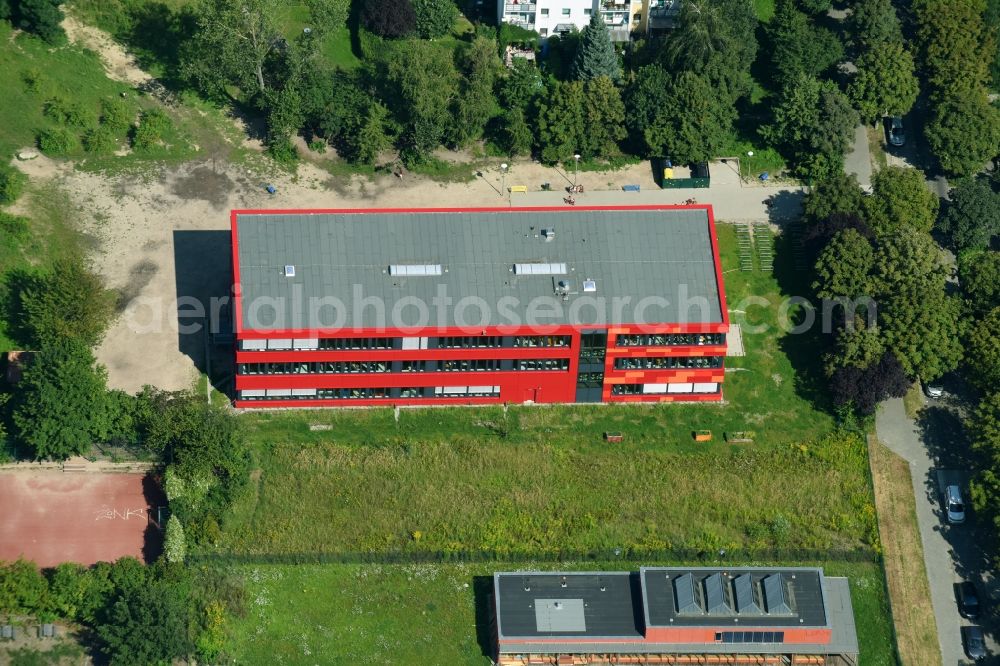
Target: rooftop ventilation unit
column 289, row 271
column 415, row 270
column 685, row 596
column 746, row 604
column 715, row 595
column 589, row 285
column 540, row 269
column 562, row 286
column 549, row 235
column 774, row 595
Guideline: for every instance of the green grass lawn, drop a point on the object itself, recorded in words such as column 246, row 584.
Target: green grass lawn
column 432, row 614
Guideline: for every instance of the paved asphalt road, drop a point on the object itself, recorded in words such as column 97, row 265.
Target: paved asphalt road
column 936, row 449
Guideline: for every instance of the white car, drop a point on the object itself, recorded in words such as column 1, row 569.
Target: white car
column 934, row 391
column 954, row 506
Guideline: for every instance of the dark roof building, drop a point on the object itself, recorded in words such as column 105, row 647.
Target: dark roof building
column 448, row 306
column 668, row 615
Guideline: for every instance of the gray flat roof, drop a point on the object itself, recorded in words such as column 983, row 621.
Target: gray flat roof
column 618, row 612
column 608, row 603
column 633, row 254
column 802, row 588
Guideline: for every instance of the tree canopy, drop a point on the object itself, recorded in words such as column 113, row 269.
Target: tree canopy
column 900, row 199
column 389, row 18
column 972, row 215
column 61, row 407
column 691, row 124
column 845, row 266
column 434, row 18
column 885, row 84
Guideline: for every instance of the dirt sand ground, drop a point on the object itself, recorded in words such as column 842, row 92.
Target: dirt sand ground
column 164, row 235
column 53, row 517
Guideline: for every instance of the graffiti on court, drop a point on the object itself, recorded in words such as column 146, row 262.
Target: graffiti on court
column 121, row 514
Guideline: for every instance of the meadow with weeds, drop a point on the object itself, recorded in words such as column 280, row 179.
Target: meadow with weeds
column 435, row 614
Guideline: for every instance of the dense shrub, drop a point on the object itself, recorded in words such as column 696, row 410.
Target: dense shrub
column 58, row 141
column 12, row 183
column 66, row 112
column 149, row 133
column 117, row 115
column 99, row 141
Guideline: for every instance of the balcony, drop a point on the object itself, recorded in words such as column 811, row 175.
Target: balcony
column 518, row 8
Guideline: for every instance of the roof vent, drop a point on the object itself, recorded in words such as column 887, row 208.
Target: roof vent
column 415, row 270
column 540, row 269
column 590, row 285
column 289, row 271
column 549, row 235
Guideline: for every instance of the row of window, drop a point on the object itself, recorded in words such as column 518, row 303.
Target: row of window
column 445, row 342
column 371, row 393
column 368, row 367
column 668, row 362
column 671, row 340
column 664, row 389
column 750, row 636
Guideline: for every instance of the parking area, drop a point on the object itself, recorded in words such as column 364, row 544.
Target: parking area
column 51, row 517
column 935, row 447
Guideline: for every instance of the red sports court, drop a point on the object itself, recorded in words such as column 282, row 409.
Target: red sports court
column 51, row 517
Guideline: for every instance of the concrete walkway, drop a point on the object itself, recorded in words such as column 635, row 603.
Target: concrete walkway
column 731, row 199
column 859, row 160
column 951, row 553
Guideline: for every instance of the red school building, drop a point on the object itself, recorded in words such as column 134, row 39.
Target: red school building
column 477, row 306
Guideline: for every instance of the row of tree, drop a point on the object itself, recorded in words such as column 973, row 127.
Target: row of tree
column 875, row 258
column 956, row 47
column 136, row 615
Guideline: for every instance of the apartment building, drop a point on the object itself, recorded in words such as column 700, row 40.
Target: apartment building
column 555, row 17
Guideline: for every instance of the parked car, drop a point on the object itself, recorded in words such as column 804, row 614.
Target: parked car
column 934, row 391
column 954, row 505
column 897, row 136
column 974, row 642
column 968, row 600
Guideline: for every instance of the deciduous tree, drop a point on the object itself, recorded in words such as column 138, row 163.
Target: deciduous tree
column 814, row 123
column 866, row 388
column 901, row 200
column 885, row 84
column 328, row 15
column 149, row 624
column 972, row 216
column 434, row 18
column 799, row 45
column 838, row 192
column 62, row 407
column 516, row 136
column 174, row 546
column 69, row 302
column 979, row 275
column 874, row 22
column 964, row 132
column 389, row 18
column 480, row 67
column 12, row 182
column 844, row 268
column 983, row 352
column 692, row 124
column 42, row 17
column 604, row 115
column 233, row 41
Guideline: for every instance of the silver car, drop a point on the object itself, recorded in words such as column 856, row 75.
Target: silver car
column 954, row 506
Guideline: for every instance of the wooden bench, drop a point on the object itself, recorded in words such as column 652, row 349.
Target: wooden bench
column 518, row 188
